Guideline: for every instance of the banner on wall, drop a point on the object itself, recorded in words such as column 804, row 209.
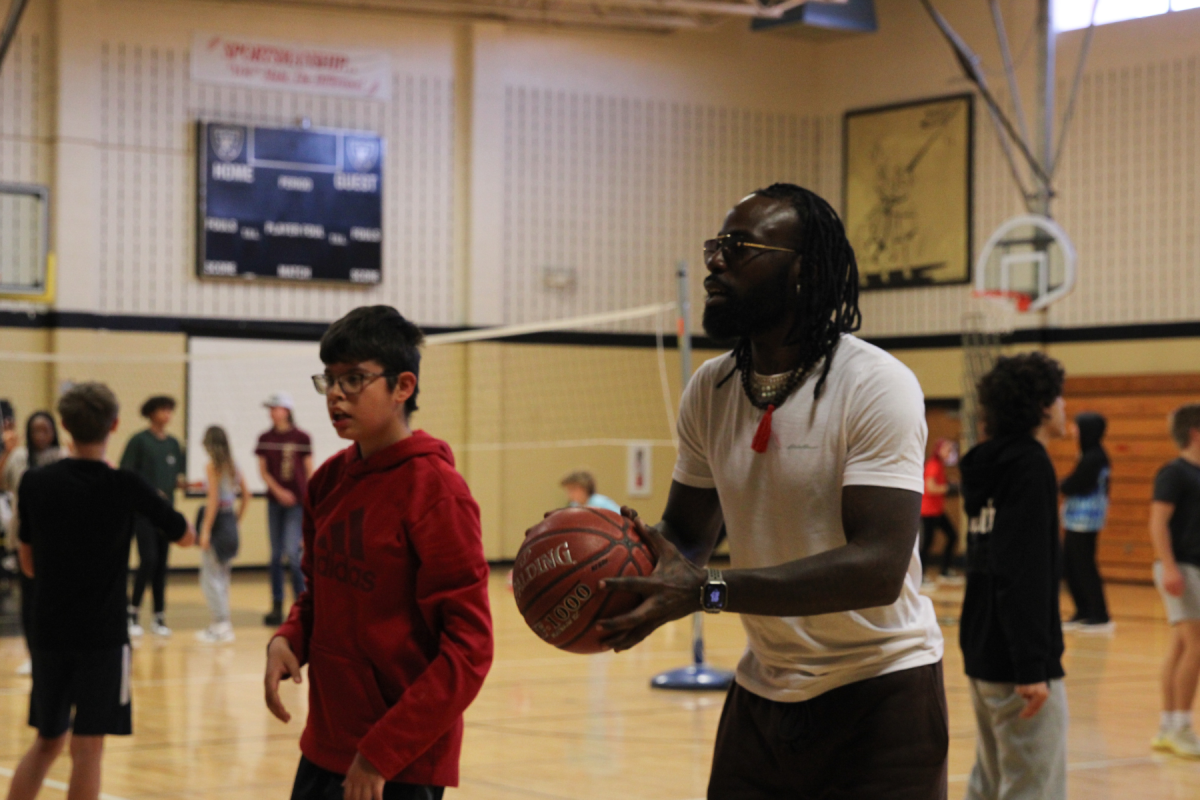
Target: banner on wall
column 271, row 64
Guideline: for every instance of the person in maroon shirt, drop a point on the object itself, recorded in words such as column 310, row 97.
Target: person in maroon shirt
column 285, row 463
column 394, row 621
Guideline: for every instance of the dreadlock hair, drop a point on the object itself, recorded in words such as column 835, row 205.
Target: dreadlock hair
column 828, row 292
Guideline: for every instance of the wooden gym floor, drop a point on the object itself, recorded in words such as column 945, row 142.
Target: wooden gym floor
column 563, row 727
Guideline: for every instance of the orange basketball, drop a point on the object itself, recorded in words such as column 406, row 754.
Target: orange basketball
column 559, row 567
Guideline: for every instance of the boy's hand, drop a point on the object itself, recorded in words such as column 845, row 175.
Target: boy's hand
column 11, row 440
column 1172, row 580
column 363, row 781
column 1035, row 696
column 281, row 663
column 285, row 497
column 189, row 538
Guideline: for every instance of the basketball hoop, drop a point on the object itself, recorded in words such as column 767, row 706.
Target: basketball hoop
column 1018, row 300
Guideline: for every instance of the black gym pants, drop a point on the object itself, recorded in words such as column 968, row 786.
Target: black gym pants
column 929, row 527
column 1083, row 576
column 884, row 737
column 153, row 548
column 315, row 783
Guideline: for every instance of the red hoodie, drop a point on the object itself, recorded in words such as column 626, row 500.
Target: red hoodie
column 394, row 625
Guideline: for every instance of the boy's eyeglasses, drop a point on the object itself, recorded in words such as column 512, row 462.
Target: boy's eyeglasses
column 350, row 384
column 732, row 247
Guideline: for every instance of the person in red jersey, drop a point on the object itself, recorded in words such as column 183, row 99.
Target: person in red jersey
column 394, row 622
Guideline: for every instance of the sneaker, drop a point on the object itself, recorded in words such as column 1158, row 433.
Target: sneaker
column 1161, row 740
column 273, row 619
column 160, row 629
column 217, row 633
column 135, row 630
column 26, row 668
column 1183, row 743
column 1094, row 627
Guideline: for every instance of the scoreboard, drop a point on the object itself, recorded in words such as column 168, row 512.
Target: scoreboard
column 289, row 204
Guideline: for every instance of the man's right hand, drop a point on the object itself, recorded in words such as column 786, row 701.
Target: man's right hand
column 285, row 497
column 1035, row 696
column 1172, row 579
column 10, row 438
column 281, row 663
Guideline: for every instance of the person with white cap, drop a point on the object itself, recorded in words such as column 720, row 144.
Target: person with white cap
column 285, row 463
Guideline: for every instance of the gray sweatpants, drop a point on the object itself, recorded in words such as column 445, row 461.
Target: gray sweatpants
column 1018, row 759
column 215, row 577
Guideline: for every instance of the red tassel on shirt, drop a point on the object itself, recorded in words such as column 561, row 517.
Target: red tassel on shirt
column 762, row 437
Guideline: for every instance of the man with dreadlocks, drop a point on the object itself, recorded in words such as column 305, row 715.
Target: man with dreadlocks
column 808, row 444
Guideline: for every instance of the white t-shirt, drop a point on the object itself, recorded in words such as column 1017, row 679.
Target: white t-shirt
column 868, row 429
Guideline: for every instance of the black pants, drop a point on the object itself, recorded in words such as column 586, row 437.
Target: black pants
column 314, row 783
column 884, row 737
column 929, row 527
column 1083, row 576
column 153, row 548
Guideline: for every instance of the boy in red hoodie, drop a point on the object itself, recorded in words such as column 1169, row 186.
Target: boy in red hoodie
column 394, row 624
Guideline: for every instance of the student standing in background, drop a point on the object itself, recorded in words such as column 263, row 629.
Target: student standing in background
column 933, row 504
column 41, row 436
column 1010, row 631
column 285, row 463
column 217, row 526
column 1175, row 534
column 157, row 456
column 1084, row 515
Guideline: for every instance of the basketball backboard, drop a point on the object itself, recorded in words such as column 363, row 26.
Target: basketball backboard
column 25, row 242
column 1029, row 261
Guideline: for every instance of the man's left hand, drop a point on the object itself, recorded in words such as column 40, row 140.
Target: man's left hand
column 671, row 592
column 363, row 781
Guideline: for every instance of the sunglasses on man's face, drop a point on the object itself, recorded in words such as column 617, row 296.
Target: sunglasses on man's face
column 733, row 247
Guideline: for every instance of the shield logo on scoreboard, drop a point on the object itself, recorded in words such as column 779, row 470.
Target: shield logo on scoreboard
column 362, row 154
column 227, row 141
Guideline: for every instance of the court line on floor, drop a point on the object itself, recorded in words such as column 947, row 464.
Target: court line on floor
column 59, row 785
column 1106, row 763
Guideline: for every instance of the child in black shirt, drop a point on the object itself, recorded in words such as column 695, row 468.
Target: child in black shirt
column 76, row 524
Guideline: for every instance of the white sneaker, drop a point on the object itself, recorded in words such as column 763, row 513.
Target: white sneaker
column 135, row 630
column 161, row 630
column 1183, row 743
column 26, row 668
column 1096, row 627
column 217, row 633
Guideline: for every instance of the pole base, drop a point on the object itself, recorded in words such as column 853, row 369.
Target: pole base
column 696, row 678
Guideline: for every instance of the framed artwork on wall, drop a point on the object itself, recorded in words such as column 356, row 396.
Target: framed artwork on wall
column 907, row 189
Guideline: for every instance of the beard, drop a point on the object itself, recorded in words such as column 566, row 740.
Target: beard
column 752, row 311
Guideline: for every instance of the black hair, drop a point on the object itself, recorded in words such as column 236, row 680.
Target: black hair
column 827, row 300
column 88, row 411
column 1015, row 394
column 159, row 401
column 46, row 415
column 376, row 333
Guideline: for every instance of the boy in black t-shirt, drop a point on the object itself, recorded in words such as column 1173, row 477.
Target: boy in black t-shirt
column 76, row 524
column 1175, row 533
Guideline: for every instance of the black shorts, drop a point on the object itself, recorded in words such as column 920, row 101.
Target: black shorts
column 315, row 783
column 92, row 683
column 884, row 737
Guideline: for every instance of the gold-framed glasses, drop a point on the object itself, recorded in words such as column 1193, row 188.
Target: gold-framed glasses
column 732, row 247
column 351, row 383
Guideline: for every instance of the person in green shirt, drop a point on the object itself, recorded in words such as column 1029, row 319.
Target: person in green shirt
column 158, row 457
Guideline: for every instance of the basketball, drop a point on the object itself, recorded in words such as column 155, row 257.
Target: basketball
column 557, row 574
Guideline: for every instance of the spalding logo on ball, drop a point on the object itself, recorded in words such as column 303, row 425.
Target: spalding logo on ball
column 559, row 567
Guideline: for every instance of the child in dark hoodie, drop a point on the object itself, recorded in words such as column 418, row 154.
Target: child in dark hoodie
column 1084, row 515
column 1010, row 632
column 394, row 622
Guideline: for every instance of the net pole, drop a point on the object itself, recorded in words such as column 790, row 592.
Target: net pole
column 699, row 675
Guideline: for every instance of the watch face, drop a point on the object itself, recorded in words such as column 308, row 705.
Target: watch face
column 714, row 596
